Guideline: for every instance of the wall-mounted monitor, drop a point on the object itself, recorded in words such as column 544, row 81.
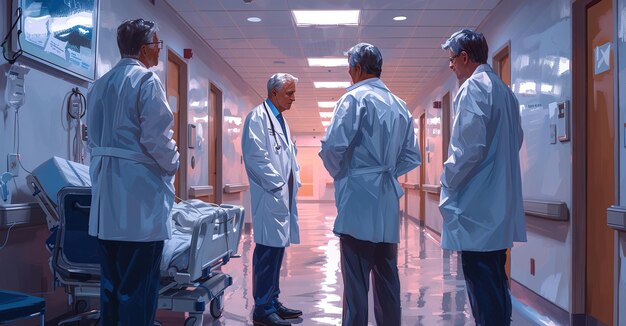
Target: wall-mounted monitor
column 59, row 33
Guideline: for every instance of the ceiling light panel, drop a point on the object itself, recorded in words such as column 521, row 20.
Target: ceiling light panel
column 342, row 84
column 326, row 105
column 326, row 17
column 328, row 62
column 326, row 115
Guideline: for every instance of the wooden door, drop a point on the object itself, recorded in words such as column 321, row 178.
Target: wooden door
column 502, row 66
column 600, row 176
column 215, row 109
column 177, row 97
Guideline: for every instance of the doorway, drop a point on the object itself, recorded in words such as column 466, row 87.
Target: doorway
column 177, row 98
column 502, row 67
column 593, row 161
column 215, row 144
column 422, row 169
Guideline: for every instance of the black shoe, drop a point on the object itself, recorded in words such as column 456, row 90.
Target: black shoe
column 286, row 313
column 270, row 320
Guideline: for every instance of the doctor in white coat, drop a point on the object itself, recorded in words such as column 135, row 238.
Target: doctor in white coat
column 133, row 161
column 270, row 159
column 368, row 145
column 481, row 196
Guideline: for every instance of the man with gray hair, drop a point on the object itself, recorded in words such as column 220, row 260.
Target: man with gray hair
column 269, row 154
column 481, row 188
column 133, row 156
column 368, row 145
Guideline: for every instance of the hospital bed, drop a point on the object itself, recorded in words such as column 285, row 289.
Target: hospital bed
column 205, row 236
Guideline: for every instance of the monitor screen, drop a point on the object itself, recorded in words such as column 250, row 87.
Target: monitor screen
column 59, row 33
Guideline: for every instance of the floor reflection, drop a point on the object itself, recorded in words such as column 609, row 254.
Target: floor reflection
column 433, row 292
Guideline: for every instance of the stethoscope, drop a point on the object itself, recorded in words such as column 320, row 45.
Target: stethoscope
column 277, row 147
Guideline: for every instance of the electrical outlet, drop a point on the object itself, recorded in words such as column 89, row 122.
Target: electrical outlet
column 13, row 165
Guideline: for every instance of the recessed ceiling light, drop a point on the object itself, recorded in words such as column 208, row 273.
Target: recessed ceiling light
column 326, row 105
column 254, row 19
column 399, row 18
column 325, row 123
column 331, row 84
column 328, row 62
column 326, row 115
column 326, row 17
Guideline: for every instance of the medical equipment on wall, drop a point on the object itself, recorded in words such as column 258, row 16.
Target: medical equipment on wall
column 562, row 125
column 5, row 193
column 191, row 135
column 75, row 106
column 272, row 130
column 14, row 92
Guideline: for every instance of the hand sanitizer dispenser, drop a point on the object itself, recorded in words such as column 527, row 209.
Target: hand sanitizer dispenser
column 5, row 194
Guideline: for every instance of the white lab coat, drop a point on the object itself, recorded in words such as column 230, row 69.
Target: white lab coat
column 481, row 196
column 369, row 143
column 274, row 218
column 133, row 155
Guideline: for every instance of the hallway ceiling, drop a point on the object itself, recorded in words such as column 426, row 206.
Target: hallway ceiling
column 411, row 50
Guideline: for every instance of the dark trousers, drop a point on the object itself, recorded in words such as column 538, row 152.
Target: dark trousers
column 129, row 285
column 359, row 259
column 266, row 262
column 487, row 287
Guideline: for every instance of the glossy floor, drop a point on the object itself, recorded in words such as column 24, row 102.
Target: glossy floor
column 432, row 293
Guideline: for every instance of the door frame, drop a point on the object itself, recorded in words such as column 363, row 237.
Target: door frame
column 422, row 167
column 579, row 155
column 219, row 118
column 183, row 88
column 502, row 52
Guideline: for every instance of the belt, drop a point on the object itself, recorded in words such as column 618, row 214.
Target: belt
column 122, row 153
column 384, row 170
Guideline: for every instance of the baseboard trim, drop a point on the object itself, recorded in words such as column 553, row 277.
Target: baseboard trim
column 585, row 320
column 537, row 306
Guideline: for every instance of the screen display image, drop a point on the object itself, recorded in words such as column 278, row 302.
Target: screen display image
column 61, row 33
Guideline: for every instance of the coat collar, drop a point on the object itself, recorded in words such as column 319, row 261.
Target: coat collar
column 277, row 128
column 130, row 62
column 374, row 82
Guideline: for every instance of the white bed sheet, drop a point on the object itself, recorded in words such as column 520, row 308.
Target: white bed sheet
column 58, row 173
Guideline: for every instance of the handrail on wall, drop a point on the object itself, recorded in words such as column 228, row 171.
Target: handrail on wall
column 549, row 210
column 24, row 214
column 409, row 185
column 200, row 191
column 433, row 189
column 234, row 188
column 616, row 218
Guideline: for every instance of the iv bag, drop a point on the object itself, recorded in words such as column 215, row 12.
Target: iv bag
column 14, row 93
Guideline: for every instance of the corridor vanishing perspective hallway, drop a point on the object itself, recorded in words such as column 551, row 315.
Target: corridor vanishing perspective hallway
column 432, row 292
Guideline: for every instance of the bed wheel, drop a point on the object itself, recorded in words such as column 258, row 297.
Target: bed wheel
column 80, row 306
column 193, row 320
column 217, row 306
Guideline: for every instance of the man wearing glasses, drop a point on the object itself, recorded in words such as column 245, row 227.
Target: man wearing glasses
column 133, row 162
column 481, row 187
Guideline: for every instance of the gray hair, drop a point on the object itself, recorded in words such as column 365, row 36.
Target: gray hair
column 132, row 34
column 277, row 81
column 473, row 43
column 368, row 57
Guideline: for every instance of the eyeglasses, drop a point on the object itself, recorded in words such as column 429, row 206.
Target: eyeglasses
column 159, row 44
column 454, row 57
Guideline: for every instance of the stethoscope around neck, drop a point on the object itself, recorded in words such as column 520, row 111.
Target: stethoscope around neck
column 277, row 146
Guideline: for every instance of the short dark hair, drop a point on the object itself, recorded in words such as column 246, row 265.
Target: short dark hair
column 368, row 56
column 132, row 34
column 473, row 43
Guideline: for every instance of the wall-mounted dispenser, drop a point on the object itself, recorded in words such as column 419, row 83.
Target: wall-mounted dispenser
column 191, row 135
column 563, row 119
